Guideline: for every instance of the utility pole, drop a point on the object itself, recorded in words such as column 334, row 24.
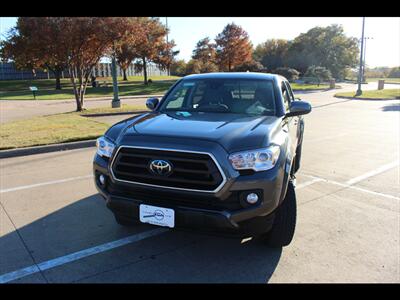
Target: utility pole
column 166, row 25
column 115, row 101
column 359, row 91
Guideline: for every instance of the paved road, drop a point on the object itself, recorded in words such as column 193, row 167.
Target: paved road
column 348, row 191
column 18, row 110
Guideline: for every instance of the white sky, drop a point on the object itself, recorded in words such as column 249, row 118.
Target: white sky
column 382, row 50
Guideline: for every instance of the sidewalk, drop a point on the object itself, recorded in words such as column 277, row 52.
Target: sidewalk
column 13, row 110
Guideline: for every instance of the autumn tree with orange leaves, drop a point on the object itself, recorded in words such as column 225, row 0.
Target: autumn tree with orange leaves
column 233, row 48
column 86, row 40
column 36, row 43
column 75, row 43
column 126, row 48
column 165, row 56
column 149, row 42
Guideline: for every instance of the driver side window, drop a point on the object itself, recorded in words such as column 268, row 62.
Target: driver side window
column 178, row 97
column 286, row 96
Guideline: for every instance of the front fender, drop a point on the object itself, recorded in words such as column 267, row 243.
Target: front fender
column 288, row 161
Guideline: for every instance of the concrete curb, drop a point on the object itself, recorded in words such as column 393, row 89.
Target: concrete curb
column 115, row 114
column 366, row 99
column 46, row 148
column 94, row 99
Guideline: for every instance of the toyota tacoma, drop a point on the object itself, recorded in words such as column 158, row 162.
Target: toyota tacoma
column 218, row 153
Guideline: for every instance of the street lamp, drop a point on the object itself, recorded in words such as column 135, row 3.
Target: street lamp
column 115, row 101
column 166, row 25
column 359, row 92
column 365, row 48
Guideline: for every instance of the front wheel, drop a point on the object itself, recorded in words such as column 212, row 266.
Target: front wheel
column 282, row 231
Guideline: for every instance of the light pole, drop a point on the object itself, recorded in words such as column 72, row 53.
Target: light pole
column 166, row 25
column 359, row 91
column 365, row 50
column 115, row 101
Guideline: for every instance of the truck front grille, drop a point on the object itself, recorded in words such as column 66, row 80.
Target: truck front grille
column 190, row 170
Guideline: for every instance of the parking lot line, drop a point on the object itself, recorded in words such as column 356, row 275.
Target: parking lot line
column 79, row 255
column 24, row 187
column 307, row 183
column 346, row 185
column 372, row 173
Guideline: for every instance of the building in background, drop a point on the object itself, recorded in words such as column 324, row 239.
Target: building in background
column 9, row 72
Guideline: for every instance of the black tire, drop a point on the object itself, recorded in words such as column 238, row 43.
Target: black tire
column 282, row 231
column 124, row 221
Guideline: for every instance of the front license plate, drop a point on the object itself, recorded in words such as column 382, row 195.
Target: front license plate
column 155, row 215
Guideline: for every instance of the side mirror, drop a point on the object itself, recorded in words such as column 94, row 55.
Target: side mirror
column 152, row 103
column 298, row 108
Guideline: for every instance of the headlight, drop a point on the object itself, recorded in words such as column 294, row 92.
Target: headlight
column 257, row 160
column 104, row 147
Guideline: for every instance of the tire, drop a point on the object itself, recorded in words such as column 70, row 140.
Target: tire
column 283, row 228
column 124, row 221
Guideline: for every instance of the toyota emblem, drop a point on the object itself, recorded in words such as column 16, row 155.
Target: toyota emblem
column 160, row 167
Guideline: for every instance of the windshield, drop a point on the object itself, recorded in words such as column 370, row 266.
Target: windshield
column 240, row 96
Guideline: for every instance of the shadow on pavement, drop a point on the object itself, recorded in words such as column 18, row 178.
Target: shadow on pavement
column 176, row 256
column 391, row 107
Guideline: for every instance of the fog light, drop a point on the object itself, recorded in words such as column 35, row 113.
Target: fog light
column 252, row 198
column 102, row 179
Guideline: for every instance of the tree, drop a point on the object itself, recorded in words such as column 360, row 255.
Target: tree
column 289, row 73
column 178, row 68
column 233, row 47
column 208, row 67
column 318, row 72
column 148, row 43
column 394, row 72
column 165, row 55
column 86, row 40
column 124, row 55
column 327, row 47
column 37, row 43
column 250, row 66
column 193, row 67
column 272, row 53
column 205, row 51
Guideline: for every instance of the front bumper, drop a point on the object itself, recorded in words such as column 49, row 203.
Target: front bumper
column 223, row 212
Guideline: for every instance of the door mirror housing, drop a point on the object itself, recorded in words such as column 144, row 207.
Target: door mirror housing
column 298, row 108
column 152, row 103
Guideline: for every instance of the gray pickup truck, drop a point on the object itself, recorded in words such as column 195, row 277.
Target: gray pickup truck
column 217, row 154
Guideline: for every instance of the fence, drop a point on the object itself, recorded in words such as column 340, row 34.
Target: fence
column 9, row 72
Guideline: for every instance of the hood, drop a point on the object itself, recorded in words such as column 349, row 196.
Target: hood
column 232, row 131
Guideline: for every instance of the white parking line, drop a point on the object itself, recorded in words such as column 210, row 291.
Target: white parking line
column 24, row 187
column 330, row 137
column 345, row 185
column 79, row 255
column 372, row 173
column 307, row 183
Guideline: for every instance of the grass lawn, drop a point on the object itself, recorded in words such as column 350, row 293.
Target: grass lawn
column 308, row 87
column 375, row 94
column 123, row 108
column 59, row 128
column 52, row 129
column 391, row 80
column 387, row 80
column 19, row 89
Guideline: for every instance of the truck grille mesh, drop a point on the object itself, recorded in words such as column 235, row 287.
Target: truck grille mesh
column 189, row 170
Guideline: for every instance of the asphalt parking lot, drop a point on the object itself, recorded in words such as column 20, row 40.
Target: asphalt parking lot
column 55, row 228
